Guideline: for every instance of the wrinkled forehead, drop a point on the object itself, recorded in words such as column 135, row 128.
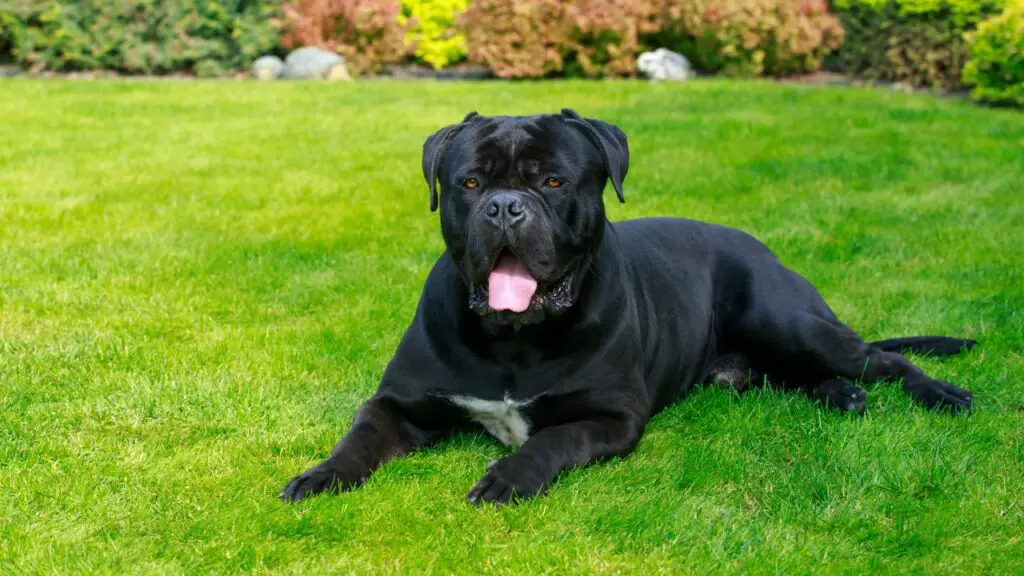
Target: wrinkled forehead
column 496, row 143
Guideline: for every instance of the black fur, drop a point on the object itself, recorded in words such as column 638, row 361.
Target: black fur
column 928, row 345
column 627, row 317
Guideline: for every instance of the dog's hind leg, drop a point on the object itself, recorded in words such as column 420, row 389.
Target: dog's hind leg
column 826, row 349
column 738, row 372
column 734, row 372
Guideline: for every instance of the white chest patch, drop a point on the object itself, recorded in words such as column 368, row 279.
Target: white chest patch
column 501, row 418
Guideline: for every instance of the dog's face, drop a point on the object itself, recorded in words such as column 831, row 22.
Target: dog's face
column 522, row 212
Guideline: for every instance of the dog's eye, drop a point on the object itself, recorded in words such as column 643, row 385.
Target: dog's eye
column 471, row 183
column 553, row 183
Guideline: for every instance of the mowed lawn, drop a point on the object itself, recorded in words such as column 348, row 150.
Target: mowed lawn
column 200, row 282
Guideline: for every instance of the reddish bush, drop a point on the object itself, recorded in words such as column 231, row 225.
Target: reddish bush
column 749, row 37
column 532, row 38
column 607, row 35
column 517, row 38
column 365, row 32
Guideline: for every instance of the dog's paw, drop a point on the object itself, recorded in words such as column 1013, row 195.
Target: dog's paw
column 841, row 395
column 318, row 479
column 939, row 395
column 506, row 482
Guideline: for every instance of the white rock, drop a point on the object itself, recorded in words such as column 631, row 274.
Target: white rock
column 664, row 64
column 267, row 68
column 312, row 62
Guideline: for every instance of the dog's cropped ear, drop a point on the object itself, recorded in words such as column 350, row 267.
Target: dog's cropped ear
column 612, row 143
column 433, row 154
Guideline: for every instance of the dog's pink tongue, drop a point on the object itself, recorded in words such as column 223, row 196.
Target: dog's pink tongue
column 510, row 286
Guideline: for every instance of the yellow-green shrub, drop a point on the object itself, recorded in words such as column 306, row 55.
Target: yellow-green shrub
column 995, row 63
column 432, row 32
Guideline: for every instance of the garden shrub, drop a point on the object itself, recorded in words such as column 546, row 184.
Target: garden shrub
column 531, row 38
column 432, row 31
column 536, row 38
column 8, row 22
column 365, row 32
column 995, row 62
column 138, row 36
column 517, row 38
column 918, row 42
column 750, row 37
column 606, row 36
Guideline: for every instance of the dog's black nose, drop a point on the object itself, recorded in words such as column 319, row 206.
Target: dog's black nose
column 505, row 209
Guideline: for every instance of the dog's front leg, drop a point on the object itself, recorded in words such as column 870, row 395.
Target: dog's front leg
column 381, row 431
column 552, row 450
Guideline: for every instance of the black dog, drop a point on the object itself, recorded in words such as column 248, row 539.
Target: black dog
column 559, row 331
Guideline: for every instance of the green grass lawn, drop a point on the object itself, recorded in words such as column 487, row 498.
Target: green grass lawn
column 200, row 282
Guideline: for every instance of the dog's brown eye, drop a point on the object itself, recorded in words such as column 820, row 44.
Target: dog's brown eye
column 553, row 183
column 471, row 183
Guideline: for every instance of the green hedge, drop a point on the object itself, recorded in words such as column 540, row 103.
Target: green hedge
column 515, row 38
column 138, row 36
column 918, row 42
column 933, row 43
column 995, row 64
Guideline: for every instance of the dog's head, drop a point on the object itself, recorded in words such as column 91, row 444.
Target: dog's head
column 521, row 204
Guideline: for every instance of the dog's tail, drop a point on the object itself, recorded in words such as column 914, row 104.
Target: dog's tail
column 930, row 345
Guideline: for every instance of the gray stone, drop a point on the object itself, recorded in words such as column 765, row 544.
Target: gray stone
column 664, row 64
column 338, row 72
column 311, row 62
column 267, row 68
column 901, row 87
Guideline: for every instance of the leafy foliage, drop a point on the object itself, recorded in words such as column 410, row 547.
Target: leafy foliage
column 919, row 42
column 138, row 36
column 995, row 64
column 364, row 32
column 607, row 36
column 750, row 37
column 593, row 38
column 517, row 39
column 432, row 30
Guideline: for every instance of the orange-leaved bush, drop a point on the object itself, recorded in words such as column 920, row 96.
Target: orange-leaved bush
column 517, row 38
column 533, row 38
column 365, row 32
column 536, row 38
column 750, row 37
column 606, row 36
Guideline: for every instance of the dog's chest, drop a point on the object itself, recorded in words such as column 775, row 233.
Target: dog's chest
column 503, row 419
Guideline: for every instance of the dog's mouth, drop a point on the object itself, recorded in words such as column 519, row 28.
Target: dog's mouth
column 511, row 289
column 510, row 285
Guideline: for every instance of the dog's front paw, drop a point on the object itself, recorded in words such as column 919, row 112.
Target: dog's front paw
column 506, row 481
column 320, row 478
column 842, row 395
